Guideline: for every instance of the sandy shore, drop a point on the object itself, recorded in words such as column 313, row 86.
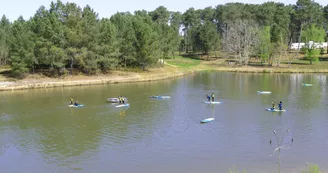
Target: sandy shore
column 36, row 81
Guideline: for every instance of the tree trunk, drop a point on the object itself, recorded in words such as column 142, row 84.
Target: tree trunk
column 124, row 62
column 71, row 65
column 299, row 40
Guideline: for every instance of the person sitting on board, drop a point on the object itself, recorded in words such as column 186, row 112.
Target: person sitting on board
column 212, row 97
column 71, row 101
column 273, row 106
column 123, row 100
column 208, row 97
column 76, row 103
column 280, row 105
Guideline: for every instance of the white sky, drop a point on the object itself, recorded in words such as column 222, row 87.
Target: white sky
column 27, row 8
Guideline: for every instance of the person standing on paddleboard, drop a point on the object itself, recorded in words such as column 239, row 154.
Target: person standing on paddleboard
column 208, row 97
column 280, row 105
column 212, row 97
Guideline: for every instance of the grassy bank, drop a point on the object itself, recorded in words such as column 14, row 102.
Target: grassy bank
column 173, row 67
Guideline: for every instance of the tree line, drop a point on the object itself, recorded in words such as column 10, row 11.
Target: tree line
column 66, row 36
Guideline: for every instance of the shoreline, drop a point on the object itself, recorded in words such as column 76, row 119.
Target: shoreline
column 163, row 73
column 127, row 77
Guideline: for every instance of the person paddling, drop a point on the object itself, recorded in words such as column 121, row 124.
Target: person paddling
column 280, row 105
column 76, row 103
column 273, row 106
column 208, row 97
column 212, row 97
column 71, row 101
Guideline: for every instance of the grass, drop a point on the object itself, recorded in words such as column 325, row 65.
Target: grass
column 182, row 62
column 312, row 168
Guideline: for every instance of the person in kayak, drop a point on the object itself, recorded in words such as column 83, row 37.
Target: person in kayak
column 273, row 106
column 76, row 103
column 280, row 105
column 71, row 101
column 212, row 97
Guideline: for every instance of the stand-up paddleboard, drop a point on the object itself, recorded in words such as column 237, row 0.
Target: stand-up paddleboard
column 116, row 100
column 160, row 97
column 122, row 105
column 207, row 120
column 274, row 110
column 74, row 106
column 264, row 92
column 307, row 84
column 207, row 102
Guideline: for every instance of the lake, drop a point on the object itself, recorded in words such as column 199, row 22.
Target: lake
column 40, row 133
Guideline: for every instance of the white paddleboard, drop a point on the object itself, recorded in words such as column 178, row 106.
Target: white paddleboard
column 264, row 92
column 123, row 105
column 207, row 102
column 207, row 120
column 274, row 110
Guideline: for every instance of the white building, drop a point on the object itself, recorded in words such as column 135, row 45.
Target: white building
column 296, row 46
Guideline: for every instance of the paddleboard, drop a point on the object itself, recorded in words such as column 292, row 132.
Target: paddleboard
column 160, row 97
column 275, row 110
column 264, row 92
column 78, row 106
column 207, row 120
column 123, row 105
column 307, row 84
column 207, row 102
column 116, row 100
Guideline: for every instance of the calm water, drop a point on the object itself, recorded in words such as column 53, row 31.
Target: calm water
column 39, row 133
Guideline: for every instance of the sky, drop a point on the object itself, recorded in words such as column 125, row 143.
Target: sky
column 27, row 8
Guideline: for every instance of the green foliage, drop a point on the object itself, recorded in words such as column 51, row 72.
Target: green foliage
column 313, row 33
column 313, row 168
column 67, row 36
column 235, row 170
column 265, row 43
column 312, row 54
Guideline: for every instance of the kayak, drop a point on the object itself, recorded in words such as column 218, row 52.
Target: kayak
column 274, row 110
column 74, row 106
column 307, row 84
column 207, row 120
column 264, row 92
column 160, row 97
column 122, row 105
column 207, row 102
column 116, row 100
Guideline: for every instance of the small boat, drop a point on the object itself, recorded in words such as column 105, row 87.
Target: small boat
column 207, row 120
column 264, row 92
column 275, row 110
column 122, row 105
column 76, row 106
column 116, row 100
column 307, row 84
column 160, row 97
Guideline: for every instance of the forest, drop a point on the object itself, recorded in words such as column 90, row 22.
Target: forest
column 65, row 36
